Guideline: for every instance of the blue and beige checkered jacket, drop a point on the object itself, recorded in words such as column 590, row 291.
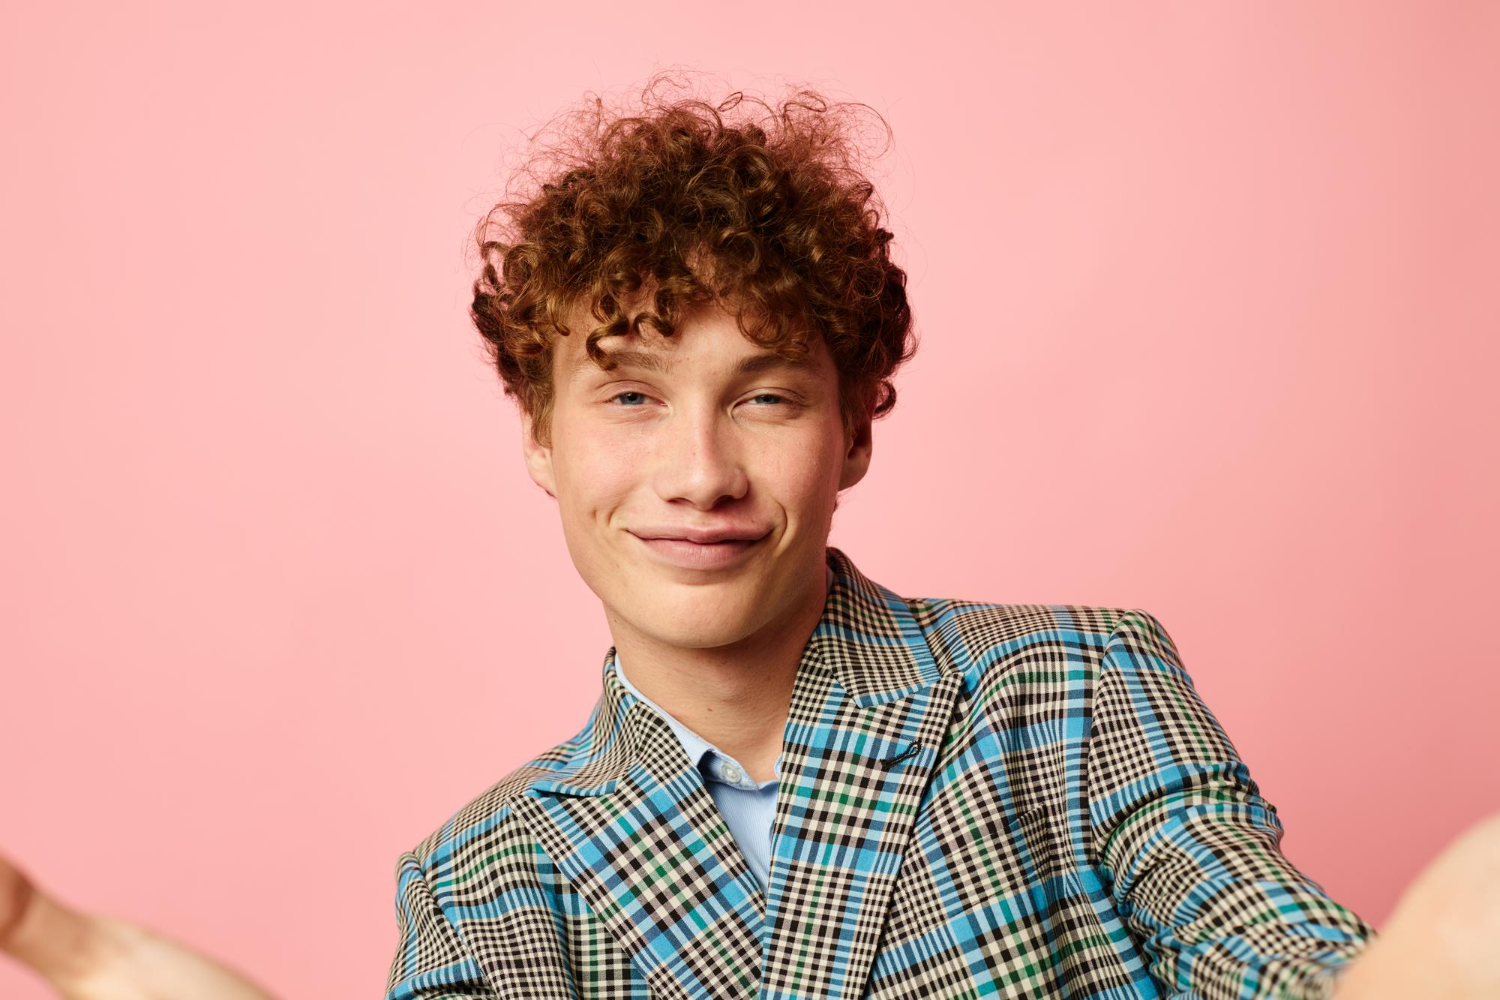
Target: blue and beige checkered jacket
column 976, row 800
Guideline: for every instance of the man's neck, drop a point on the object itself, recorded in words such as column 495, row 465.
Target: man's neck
column 736, row 698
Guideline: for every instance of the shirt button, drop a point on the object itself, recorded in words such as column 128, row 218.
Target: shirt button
column 732, row 774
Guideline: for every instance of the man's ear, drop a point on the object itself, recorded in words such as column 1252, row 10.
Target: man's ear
column 538, row 458
column 860, row 446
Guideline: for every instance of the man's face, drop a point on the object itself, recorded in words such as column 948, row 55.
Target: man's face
column 701, row 446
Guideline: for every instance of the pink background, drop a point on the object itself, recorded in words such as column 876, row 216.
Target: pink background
column 1208, row 302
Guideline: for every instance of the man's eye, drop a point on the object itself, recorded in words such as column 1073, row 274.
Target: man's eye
column 763, row 395
column 627, row 392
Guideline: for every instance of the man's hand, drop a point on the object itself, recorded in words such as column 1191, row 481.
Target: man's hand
column 37, row 930
column 1442, row 942
column 87, row 957
column 15, row 897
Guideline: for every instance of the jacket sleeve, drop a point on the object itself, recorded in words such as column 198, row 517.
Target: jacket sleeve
column 1191, row 848
column 431, row 962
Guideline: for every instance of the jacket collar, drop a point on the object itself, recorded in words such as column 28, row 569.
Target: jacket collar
column 628, row 820
column 867, row 640
column 696, row 746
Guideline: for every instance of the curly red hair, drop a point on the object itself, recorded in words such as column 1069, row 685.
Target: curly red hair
column 680, row 204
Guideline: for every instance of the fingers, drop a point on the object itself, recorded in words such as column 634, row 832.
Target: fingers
column 16, row 893
column 39, row 931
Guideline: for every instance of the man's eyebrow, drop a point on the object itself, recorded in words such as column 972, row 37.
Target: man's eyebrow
column 753, row 364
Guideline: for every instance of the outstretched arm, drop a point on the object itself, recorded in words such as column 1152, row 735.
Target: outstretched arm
column 89, row 957
column 1192, row 848
column 1194, row 853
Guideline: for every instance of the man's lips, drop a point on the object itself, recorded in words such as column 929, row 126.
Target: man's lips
column 687, row 554
column 702, row 535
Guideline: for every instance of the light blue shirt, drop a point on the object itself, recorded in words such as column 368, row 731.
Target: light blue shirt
column 748, row 806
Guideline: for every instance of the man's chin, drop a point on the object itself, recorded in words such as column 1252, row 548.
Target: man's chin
column 695, row 616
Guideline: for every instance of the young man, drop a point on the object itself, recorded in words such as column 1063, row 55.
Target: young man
column 808, row 785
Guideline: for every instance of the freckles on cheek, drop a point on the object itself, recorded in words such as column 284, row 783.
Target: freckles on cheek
column 616, row 460
column 601, row 471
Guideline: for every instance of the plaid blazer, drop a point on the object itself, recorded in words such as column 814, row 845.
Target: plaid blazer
column 976, row 800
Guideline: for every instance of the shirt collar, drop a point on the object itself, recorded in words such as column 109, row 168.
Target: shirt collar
column 696, row 746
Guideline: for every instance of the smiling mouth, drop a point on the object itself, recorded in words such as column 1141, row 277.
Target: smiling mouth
column 699, row 555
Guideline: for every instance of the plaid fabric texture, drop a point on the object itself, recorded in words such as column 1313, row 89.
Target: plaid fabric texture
column 977, row 800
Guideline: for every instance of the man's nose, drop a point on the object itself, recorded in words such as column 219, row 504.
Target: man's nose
column 704, row 459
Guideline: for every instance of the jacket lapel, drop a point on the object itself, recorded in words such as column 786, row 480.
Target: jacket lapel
column 869, row 714
column 635, row 831
column 630, row 823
